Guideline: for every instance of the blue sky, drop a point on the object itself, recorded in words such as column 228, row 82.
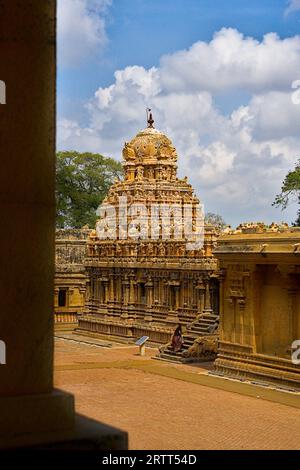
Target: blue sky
column 99, row 37
column 141, row 31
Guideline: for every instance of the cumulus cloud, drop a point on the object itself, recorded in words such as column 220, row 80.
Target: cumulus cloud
column 231, row 61
column 236, row 161
column 81, row 30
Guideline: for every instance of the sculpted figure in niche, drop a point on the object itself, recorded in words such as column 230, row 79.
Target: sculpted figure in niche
column 118, row 250
column 158, row 174
column 149, row 150
column 128, row 152
column 173, row 174
column 164, row 173
column 139, row 173
column 161, row 250
column 151, row 195
column 150, row 173
column 165, row 151
column 181, row 250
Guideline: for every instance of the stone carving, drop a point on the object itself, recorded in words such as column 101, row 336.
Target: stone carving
column 203, row 347
column 257, row 227
column 128, row 152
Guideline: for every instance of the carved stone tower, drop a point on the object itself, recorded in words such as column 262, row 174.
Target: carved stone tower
column 146, row 278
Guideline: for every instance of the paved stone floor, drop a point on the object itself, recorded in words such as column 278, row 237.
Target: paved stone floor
column 118, row 387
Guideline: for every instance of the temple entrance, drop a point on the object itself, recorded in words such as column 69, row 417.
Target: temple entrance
column 214, row 295
column 142, row 293
column 172, row 297
column 62, row 297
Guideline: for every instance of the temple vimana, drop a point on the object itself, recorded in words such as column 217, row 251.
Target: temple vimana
column 236, row 296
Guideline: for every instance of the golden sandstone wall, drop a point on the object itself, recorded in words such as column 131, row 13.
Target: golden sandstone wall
column 70, row 277
column 260, row 303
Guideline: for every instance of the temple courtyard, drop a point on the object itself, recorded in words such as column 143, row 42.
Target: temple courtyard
column 168, row 406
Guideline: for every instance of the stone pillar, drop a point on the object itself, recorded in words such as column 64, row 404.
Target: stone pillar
column 149, row 293
column 177, row 297
column 28, row 403
column 149, row 299
column 106, row 291
column 125, row 289
column 31, row 411
column 132, row 299
column 222, row 280
column 207, row 300
column 200, row 288
column 111, row 288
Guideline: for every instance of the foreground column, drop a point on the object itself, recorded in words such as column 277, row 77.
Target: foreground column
column 27, row 133
column 30, row 410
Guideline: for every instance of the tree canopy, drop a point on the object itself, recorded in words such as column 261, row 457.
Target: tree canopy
column 290, row 191
column 82, row 182
column 216, row 220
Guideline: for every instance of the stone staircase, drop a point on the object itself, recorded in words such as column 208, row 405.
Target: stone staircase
column 205, row 325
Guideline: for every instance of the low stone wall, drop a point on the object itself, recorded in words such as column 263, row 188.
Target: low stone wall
column 240, row 362
column 124, row 332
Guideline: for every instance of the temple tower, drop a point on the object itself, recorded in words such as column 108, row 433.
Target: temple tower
column 146, row 264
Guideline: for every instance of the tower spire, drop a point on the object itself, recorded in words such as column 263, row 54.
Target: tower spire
column 150, row 119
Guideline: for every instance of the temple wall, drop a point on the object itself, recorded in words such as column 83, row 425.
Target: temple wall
column 70, row 278
column 259, row 306
column 128, row 302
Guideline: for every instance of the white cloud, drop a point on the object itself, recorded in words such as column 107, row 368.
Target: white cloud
column 81, row 30
column 236, row 162
column 293, row 5
column 231, row 60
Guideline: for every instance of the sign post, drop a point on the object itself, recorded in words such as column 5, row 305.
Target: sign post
column 141, row 342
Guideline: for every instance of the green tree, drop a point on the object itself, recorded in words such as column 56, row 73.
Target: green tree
column 82, row 182
column 216, row 220
column 290, row 191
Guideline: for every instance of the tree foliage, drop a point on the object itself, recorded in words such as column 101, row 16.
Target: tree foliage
column 82, row 182
column 290, row 191
column 216, row 220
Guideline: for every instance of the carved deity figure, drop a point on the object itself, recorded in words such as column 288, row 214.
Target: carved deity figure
column 161, row 250
column 139, row 173
column 150, row 173
column 128, row 152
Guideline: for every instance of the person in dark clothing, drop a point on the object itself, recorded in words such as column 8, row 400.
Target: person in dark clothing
column 177, row 340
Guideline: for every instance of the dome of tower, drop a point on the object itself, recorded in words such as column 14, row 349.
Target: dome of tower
column 150, row 144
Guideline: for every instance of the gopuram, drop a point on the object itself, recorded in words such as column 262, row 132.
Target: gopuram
column 144, row 275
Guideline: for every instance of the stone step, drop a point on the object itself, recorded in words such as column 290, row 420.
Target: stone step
column 209, row 315
column 200, row 329
column 205, row 321
column 189, row 338
column 189, row 342
column 173, row 353
column 171, row 358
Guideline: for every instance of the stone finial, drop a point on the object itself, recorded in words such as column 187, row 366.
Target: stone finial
column 150, row 119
